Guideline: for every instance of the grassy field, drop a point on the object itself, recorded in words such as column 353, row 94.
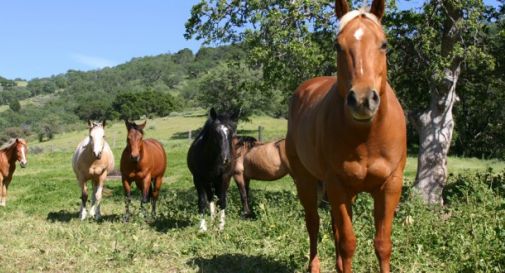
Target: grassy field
column 41, row 232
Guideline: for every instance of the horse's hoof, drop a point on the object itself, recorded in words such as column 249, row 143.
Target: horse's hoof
column 98, row 216
column 83, row 215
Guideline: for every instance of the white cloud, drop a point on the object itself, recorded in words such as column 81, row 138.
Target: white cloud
column 92, row 61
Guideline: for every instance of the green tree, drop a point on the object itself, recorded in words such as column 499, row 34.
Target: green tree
column 233, row 87
column 14, row 105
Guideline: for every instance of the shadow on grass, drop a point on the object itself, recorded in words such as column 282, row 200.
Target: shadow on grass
column 232, row 263
column 62, row 216
column 163, row 223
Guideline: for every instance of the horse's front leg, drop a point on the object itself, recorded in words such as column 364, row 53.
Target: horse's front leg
column 127, row 192
column 202, row 202
column 385, row 201
column 155, row 192
column 146, row 189
column 97, row 196
column 222, row 191
column 341, row 214
column 84, row 198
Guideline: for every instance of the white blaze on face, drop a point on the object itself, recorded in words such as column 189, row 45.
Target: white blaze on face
column 358, row 34
column 96, row 135
column 225, row 130
column 23, row 155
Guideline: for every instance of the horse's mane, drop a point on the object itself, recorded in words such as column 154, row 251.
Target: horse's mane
column 355, row 13
column 7, row 144
column 247, row 141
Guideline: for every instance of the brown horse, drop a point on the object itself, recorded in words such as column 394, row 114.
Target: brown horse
column 259, row 161
column 142, row 161
column 350, row 132
column 14, row 150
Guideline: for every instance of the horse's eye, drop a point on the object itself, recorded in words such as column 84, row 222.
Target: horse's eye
column 338, row 48
column 384, row 45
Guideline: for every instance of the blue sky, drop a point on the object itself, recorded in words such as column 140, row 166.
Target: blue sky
column 44, row 38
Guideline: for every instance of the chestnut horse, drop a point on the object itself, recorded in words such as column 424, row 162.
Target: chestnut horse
column 350, row 132
column 211, row 160
column 92, row 160
column 142, row 161
column 12, row 151
column 259, row 161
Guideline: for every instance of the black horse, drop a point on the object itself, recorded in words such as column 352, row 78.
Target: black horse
column 211, row 160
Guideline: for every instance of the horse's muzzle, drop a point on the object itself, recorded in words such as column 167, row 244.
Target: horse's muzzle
column 363, row 106
column 23, row 164
column 135, row 158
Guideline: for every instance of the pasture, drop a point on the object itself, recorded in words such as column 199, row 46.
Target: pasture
column 41, row 231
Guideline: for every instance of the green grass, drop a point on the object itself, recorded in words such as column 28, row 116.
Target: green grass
column 41, row 231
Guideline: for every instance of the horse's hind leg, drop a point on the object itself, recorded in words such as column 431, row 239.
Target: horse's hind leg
column 241, row 185
column 84, row 198
column 97, row 196
column 155, row 192
column 3, row 192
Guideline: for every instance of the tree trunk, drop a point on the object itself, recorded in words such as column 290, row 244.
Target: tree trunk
column 435, row 125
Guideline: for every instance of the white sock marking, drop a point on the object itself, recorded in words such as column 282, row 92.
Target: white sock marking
column 221, row 220
column 212, row 210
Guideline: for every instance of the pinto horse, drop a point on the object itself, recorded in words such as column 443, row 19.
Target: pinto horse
column 350, row 132
column 92, row 160
column 12, row 151
column 259, row 161
column 211, row 160
column 142, row 161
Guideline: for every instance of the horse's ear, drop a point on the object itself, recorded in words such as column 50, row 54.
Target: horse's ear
column 377, row 8
column 89, row 124
column 236, row 114
column 213, row 114
column 127, row 123
column 17, row 141
column 103, row 123
column 341, row 8
column 141, row 126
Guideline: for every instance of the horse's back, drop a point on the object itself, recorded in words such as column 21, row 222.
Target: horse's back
column 264, row 162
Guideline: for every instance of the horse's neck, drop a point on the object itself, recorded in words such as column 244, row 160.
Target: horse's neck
column 10, row 154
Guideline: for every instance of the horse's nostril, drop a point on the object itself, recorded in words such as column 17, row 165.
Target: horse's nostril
column 351, row 98
column 375, row 96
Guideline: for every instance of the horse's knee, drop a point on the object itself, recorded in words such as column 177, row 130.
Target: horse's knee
column 347, row 246
column 383, row 248
column 84, row 197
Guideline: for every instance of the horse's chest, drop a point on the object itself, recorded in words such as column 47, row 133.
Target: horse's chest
column 368, row 172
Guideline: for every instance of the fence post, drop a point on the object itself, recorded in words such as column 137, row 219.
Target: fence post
column 260, row 133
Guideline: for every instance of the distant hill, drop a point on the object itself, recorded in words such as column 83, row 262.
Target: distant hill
column 151, row 85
